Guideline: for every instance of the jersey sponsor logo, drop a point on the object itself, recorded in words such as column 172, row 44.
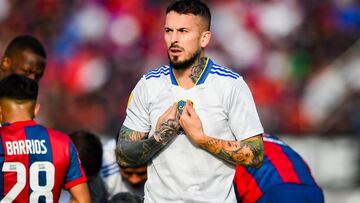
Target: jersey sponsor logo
column 20, row 147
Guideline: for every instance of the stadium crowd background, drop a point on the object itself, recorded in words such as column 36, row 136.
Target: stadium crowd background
column 98, row 49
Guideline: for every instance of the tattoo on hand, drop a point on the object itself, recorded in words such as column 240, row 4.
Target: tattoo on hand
column 197, row 70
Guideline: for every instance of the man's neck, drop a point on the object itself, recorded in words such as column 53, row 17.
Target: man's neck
column 189, row 76
column 17, row 115
column 14, row 120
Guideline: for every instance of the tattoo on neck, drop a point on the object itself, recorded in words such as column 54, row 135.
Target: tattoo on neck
column 197, row 69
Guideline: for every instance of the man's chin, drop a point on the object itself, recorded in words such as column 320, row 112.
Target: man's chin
column 179, row 64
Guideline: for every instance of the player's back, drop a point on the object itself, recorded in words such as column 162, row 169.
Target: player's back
column 36, row 163
column 282, row 165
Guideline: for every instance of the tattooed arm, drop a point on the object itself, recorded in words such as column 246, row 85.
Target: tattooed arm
column 248, row 152
column 134, row 148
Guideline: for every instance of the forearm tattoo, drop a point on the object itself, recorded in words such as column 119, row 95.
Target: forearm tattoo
column 249, row 152
column 197, row 70
column 167, row 130
column 133, row 149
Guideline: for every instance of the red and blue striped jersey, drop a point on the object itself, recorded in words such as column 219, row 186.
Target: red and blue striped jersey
column 36, row 163
column 281, row 165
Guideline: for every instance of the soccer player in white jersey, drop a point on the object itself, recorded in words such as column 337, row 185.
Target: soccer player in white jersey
column 191, row 120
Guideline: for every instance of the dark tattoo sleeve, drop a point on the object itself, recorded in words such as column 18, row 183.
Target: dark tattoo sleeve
column 134, row 148
column 197, row 70
column 249, row 152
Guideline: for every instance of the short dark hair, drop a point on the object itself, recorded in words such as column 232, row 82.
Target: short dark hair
column 194, row 7
column 18, row 87
column 25, row 42
column 90, row 151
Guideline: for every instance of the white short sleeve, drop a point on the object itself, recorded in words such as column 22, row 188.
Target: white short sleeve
column 243, row 117
column 137, row 112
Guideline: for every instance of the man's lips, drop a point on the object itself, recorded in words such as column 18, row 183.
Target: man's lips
column 175, row 50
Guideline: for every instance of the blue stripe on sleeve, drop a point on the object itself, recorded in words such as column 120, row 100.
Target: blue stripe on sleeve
column 74, row 171
column 222, row 74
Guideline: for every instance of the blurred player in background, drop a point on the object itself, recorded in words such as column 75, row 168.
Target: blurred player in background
column 219, row 123
column 123, row 184
column 90, row 153
column 283, row 177
column 24, row 55
column 36, row 161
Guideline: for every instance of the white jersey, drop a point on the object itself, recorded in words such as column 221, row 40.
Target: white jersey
column 110, row 172
column 182, row 172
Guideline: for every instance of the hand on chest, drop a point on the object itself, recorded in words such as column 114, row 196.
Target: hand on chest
column 209, row 106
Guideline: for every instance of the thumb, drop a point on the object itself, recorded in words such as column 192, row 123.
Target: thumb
column 186, row 110
column 173, row 110
column 189, row 108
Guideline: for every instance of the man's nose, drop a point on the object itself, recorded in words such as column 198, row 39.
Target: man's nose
column 134, row 179
column 174, row 37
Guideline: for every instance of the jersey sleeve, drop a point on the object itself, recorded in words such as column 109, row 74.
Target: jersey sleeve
column 137, row 113
column 75, row 174
column 243, row 117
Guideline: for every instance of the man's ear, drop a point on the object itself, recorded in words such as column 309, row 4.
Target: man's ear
column 205, row 38
column 37, row 109
column 5, row 63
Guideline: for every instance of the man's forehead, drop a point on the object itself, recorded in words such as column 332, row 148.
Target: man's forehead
column 177, row 20
column 30, row 54
column 134, row 170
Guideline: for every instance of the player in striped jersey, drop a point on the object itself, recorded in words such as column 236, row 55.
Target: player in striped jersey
column 35, row 161
column 191, row 157
column 283, row 177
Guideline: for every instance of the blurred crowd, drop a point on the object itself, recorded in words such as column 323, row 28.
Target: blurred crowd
column 98, row 49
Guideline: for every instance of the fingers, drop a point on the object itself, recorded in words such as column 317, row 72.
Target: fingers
column 188, row 109
column 173, row 110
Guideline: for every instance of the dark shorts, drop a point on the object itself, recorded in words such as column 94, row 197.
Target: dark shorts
column 293, row 193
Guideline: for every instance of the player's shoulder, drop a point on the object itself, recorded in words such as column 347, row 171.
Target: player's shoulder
column 224, row 73
column 109, row 144
column 156, row 79
column 224, row 76
column 109, row 165
column 158, row 73
column 57, row 134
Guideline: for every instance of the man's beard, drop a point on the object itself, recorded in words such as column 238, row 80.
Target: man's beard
column 182, row 65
